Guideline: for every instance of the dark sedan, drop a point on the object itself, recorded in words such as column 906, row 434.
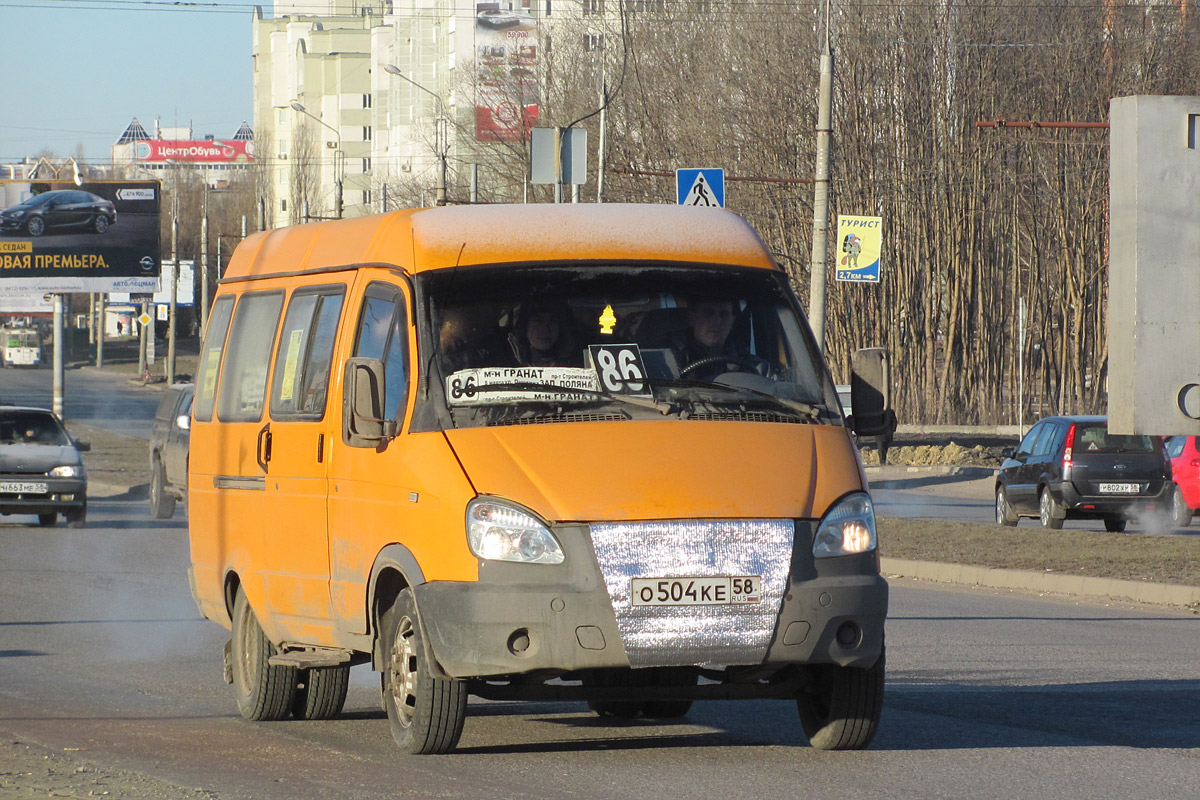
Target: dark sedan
column 62, row 208
column 41, row 471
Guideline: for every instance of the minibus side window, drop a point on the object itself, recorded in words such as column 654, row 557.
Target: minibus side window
column 210, row 357
column 382, row 334
column 305, row 351
column 243, row 383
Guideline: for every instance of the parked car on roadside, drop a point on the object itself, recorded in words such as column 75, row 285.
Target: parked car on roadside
column 169, row 449
column 62, row 208
column 1073, row 468
column 41, row 469
column 1184, row 452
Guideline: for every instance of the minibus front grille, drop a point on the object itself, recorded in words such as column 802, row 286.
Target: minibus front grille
column 745, row 416
column 549, row 419
column 684, row 635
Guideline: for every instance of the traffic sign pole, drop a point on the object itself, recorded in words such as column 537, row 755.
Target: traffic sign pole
column 59, row 346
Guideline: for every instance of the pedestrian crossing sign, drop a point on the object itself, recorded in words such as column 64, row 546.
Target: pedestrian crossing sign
column 700, row 187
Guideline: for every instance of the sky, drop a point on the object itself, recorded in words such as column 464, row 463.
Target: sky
column 77, row 71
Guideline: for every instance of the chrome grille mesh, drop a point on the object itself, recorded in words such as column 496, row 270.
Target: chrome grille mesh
column 661, row 636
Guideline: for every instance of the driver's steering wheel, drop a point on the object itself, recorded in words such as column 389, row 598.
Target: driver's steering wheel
column 759, row 366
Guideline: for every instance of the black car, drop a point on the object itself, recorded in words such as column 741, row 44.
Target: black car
column 169, row 440
column 41, row 471
column 61, row 208
column 1073, row 468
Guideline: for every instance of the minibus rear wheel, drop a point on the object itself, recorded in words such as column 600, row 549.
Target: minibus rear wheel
column 840, row 708
column 425, row 712
column 321, row 692
column 264, row 692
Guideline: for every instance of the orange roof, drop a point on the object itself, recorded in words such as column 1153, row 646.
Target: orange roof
column 436, row 238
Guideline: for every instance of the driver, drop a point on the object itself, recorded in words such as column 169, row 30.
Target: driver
column 710, row 323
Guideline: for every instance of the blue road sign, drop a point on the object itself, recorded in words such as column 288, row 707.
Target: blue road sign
column 700, row 187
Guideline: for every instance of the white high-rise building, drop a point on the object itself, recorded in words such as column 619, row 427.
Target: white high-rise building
column 371, row 93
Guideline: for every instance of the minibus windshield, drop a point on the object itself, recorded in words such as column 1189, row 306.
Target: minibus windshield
column 516, row 344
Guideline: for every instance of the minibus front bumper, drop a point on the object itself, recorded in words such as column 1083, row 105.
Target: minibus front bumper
column 520, row 619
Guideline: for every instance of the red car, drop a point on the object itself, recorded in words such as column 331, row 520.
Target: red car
column 1184, row 452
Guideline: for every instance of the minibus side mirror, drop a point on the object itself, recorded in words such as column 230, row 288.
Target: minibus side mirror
column 363, row 424
column 870, row 397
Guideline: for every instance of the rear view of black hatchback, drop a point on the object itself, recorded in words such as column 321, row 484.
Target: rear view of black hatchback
column 1073, row 468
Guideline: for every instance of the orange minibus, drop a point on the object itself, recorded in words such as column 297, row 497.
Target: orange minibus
column 586, row 452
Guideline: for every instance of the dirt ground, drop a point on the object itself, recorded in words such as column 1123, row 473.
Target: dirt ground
column 30, row 770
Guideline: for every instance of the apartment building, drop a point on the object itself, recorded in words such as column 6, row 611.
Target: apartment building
column 373, row 95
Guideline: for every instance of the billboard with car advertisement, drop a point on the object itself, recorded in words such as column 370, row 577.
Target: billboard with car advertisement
column 100, row 236
column 506, row 101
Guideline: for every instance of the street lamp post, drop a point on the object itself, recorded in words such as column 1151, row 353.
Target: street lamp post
column 338, row 158
column 441, row 137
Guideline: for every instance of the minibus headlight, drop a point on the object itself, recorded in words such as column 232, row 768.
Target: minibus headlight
column 848, row 528
column 500, row 532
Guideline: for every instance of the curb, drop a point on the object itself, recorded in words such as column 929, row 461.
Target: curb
column 1050, row 582
column 906, row 477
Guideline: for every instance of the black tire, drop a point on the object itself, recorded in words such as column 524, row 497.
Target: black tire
column 263, row 692
column 47, row 520
column 162, row 505
column 321, row 692
column 100, row 223
column 1114, row 525
column 840, row 709
column 1181, row 515
column 620, row 709
column 425, row 712
column 77, row 518
column 1049, row 511
column 35, row 226
column 1004, row 511
column 670, row 709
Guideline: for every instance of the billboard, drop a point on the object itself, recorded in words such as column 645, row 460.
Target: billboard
column 506, row 94
column 25, row 302
column 204, row 151
column 99, row 236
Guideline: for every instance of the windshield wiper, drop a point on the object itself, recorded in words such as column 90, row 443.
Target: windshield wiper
column 797, row 407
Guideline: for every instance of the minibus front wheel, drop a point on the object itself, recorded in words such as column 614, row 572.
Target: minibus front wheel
column 264, row 692
column 841, row 706
column 425, row 712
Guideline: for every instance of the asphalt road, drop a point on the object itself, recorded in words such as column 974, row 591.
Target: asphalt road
column 104, row 658
column 972, row 499
column 101, row 397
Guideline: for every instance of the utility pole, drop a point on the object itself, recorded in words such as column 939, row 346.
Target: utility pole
column 603, row 135
column 59, row 353
column 174, row 288
column 101, row 297
column 204, row 260
column 816, row 300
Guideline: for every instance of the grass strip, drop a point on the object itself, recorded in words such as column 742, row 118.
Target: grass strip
column 1097, row 554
